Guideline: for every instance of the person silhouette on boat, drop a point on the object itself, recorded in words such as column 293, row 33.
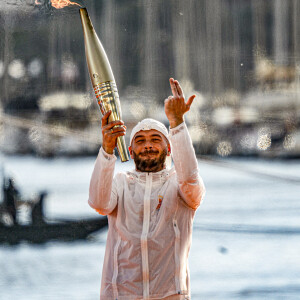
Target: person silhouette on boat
column 11, row 195
column 37, row 212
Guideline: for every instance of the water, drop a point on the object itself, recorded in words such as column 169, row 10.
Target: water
column 224, row 265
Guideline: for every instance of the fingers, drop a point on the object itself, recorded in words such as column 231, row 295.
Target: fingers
column 178, row 87
column 174, row 88
column 112, row 124
column 108, row 134
column 106, row 125
column 116, row 130
column 105, row 121
column 169, row 100
column 178, row 103
column 190, row 101
column 105, row 118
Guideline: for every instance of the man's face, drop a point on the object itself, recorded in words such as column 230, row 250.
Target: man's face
column 149, row 150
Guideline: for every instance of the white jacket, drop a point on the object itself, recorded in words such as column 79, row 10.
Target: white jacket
column 150, row 219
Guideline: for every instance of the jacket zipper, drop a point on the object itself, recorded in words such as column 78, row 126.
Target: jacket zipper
column 144, row 236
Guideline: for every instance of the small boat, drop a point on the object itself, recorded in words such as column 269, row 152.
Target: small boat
column 40, row 229
column 59, row 230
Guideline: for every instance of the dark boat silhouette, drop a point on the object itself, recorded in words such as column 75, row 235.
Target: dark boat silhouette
column 59, row 230
column 41, row 229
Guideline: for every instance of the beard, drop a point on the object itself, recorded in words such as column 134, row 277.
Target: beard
column 150, row 164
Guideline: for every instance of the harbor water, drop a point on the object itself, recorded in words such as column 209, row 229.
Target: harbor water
column 246, row 237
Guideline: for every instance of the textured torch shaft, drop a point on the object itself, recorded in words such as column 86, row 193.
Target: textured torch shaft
column 108, row 99
column 102, row 78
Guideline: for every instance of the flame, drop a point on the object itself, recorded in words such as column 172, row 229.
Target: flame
column 62, row 3
column 58, row 3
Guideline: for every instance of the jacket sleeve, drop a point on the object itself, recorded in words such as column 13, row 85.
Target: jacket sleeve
column 191, row 186
column 103, row 190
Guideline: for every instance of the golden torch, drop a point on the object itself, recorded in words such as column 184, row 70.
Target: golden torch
column 102, row 78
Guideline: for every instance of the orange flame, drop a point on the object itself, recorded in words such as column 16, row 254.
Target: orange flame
column 62, row 3
column 59, row 3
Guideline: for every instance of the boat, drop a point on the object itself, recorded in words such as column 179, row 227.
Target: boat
column 55, row 230
column 40, row 229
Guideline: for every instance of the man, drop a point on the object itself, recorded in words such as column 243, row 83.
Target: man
column 151, row 209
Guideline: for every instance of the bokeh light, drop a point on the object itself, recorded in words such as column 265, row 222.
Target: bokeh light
column 289, row 142
column 196, row 133
column 264, row 138
column 16, row 69
column 224, row 148
column 62, row 100
column 35, row 67
column 223, row 116
column 69, row 70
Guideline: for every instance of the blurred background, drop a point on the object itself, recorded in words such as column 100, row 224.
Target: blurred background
column 242, row 60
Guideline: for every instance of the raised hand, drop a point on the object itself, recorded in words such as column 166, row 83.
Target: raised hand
column 175, row 106
column 110, row 133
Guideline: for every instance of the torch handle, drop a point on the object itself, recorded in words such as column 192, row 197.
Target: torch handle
column 108, row 99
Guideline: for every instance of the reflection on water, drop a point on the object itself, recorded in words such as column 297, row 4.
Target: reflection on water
column 242, row 247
